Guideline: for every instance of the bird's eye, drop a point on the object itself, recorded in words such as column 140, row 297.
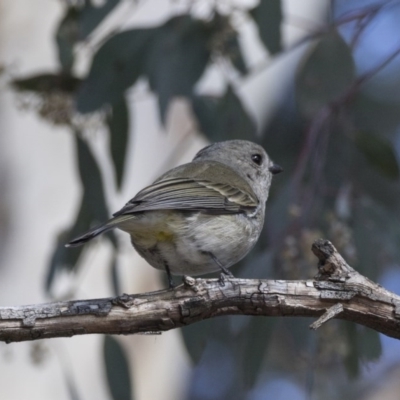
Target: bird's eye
column 257, row 159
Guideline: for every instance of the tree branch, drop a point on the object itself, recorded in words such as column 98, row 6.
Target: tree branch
column 338, row 291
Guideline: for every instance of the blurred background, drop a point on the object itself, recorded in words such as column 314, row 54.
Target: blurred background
column 98, row 98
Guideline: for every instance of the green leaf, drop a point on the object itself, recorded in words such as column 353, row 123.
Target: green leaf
column 117, row 369
column 195, row 337
column 376, row 236
column 66, row 37
column 91, row 16
column 115, row 276
column 91, row 179
column 225, row 41
column 256, row 338
column 268, row 18
column 118, row 125
column 369, row 343
column 325, row 74
column 223, row 118
column 363, row 344
column 234, row 53
column 278, row 218
column 370, row 114
column 67, row 258
column 92, row 186
column 47, row 83
column 352, row 357
column 379, row 152
column 177, row 58
column 115, row 67
column 92, row 210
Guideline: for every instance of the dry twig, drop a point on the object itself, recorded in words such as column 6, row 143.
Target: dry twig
column 338, row 291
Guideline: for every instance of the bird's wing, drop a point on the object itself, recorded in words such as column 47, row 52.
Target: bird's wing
column 192, row 195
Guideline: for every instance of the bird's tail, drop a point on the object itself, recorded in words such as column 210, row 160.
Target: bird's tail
column 97, row 230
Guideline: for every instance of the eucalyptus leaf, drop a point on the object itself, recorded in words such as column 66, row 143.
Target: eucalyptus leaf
column 352, row 356
column 195, row 337
column 118, row 125
column 115, row 67
column 325, row 74
column 91, row 16
column 117, row 369
column 92, row 185
column 234, row 53
column 92, row 210
column 223, row 118
column 115, row 275
column 278, row 217
column 379, row 152
column 372, row 115
column 256, row 338
column 375, row 251
column 67, row 258
column 91, row 180
column 67, row 36
column 268, row 18
column 177, row 58
column 226, row 41
column 369, row 342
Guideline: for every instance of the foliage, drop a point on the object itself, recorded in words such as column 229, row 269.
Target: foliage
column 334, row 140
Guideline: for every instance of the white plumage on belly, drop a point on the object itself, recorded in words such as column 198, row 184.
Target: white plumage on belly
column 185, row 239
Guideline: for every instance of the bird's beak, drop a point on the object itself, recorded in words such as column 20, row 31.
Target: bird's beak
column 275, row 169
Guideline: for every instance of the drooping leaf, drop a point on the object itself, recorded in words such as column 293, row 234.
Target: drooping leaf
column 91, row 16
column 216, row 376
column 195, row 337
column 326, row 72
column 370, row 344
column 92, row 185
column 177, row 58
column 47, row 83
column 90, row 176
column 256, row 338
column 225, row 41
column 379, row 153
column 352, row 357
column 115, row 67
column 115, row 276
column 117, row 369
column 278, row 215
column 118, row 125
column 234, row 53
column 370, row 114
column 268, row 18
column 223, row 118
column 67, row 36
column 375, row 251
column 93, row 210
column 67, row 258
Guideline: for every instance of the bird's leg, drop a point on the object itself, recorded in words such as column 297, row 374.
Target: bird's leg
column 168, row 271
column 224, row 270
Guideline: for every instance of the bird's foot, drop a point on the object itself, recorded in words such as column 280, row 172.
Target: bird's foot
column 171, row 284
column 225, row 274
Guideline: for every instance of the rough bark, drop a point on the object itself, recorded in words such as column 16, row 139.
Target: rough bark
column 338, row 291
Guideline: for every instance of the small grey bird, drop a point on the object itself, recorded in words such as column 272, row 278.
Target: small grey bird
column 202, row 216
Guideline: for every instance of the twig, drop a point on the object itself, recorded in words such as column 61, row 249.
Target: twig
column 337, row 288
column 332, row 312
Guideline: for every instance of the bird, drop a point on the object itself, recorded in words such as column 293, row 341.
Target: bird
column 200, row 217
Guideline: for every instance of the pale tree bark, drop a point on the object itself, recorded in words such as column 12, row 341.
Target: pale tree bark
column 338, row 291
